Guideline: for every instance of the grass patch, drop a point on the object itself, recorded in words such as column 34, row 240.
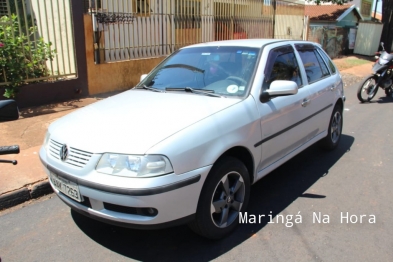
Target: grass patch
column 343, row 64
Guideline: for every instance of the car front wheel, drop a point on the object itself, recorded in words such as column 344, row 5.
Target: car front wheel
column 225, row 194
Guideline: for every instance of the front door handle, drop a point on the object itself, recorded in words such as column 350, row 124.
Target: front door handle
column 305, row 102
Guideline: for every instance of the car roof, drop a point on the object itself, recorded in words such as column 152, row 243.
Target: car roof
column 246, row 42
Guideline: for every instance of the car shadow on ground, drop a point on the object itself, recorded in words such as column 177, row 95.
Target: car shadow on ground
column 272, row 194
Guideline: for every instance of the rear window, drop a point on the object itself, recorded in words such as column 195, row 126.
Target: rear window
column 328, row 60
column 314, row 65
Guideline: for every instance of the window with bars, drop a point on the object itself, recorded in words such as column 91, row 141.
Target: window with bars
column 3, row 8
column 141, row 7
column 365, row 8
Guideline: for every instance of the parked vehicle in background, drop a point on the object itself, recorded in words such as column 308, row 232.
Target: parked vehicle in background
column 186, row 144
column 8, row 112
column 381, row 78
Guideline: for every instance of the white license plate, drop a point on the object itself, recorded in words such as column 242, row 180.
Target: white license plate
column 67, row 187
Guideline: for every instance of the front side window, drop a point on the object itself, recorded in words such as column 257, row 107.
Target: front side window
column 223, row 70
column 314, row 65
column 282, row 65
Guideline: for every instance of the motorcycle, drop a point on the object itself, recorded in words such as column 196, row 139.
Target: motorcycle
column 8, row 112
column 381, row 77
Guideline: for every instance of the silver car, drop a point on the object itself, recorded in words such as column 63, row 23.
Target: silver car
column 186, row 144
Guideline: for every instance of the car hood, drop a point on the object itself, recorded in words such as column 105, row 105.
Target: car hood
column 133, row 121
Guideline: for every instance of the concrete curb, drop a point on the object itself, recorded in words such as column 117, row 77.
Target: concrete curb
column 24, row 194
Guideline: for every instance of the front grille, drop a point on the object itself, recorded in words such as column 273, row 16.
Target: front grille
column 76, row 157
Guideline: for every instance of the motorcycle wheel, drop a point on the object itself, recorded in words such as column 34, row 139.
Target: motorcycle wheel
column 368, row 89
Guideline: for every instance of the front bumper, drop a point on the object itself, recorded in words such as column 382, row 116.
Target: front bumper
column 128, row 201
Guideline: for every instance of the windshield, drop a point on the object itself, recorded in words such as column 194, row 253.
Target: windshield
column 222, row 70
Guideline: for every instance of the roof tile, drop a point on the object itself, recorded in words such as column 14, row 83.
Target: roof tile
column 325, row 12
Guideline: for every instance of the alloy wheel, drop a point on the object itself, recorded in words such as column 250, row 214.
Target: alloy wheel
column 227, row 200
column 335, row 130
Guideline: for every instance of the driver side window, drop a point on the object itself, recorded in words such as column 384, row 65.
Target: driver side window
column 282, row 65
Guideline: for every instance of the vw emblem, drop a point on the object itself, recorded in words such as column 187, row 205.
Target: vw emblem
column 63, row 152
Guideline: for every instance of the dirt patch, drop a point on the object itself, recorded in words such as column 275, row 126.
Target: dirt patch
column 354, row 68
column 350, row 79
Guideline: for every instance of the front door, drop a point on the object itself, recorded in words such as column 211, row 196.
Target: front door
column 284, row 119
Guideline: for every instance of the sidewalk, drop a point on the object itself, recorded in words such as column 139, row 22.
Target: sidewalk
column 27, row 180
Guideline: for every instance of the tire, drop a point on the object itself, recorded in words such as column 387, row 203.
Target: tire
column 333, row 137
column 367, row 90
column 224, row 195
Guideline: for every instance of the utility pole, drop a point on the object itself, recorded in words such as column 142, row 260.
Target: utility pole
column 375, row 11
column 274, row 17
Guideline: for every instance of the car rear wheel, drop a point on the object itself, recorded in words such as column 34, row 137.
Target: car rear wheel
column 335, row 129
column 224, row 195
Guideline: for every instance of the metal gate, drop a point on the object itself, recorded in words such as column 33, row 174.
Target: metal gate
column 40, row 22
column 289, row 20
column 134, row 29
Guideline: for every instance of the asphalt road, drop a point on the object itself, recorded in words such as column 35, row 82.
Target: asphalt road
column 349, row 189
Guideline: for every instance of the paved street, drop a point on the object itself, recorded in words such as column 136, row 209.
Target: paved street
column 348, row 190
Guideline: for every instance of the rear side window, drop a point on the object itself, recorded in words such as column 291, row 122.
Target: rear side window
column 314, row 65
column 328, row 60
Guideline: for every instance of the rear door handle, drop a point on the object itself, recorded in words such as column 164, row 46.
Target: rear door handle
column 332, row 88
column 305, row 102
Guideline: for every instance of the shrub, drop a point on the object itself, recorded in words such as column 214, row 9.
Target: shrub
column 21, row 57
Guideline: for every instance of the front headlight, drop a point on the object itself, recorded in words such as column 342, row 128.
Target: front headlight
column 134, row 165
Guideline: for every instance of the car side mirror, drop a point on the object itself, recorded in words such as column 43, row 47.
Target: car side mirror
column 279, row 88
column 8, row 110
column 143, row 77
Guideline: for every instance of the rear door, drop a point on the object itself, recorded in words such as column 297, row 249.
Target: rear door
column 320, row 83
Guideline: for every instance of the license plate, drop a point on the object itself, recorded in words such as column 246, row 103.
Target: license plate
column 67, row 187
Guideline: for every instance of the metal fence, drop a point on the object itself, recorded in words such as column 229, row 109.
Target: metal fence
column 134, row 29
column 289, row 20
column 38, row 23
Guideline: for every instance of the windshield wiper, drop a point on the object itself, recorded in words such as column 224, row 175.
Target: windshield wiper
column 189, row 67
column 150, row 88
column 195, row 91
